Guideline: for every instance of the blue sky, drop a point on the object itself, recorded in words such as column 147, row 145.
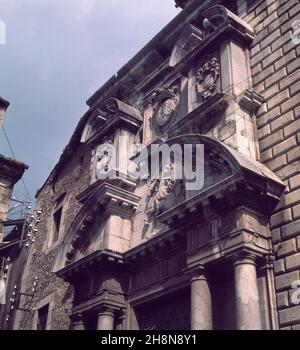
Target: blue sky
column 57, row 53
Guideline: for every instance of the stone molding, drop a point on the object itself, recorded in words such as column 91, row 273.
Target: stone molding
column 108, row 116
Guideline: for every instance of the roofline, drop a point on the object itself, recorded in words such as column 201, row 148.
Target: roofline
column 178, row 21
column 157, row 40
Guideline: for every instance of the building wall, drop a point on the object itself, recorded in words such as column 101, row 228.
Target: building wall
column 74, row 177
column 275, row 65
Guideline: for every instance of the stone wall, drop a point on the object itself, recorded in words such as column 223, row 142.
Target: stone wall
column 275, row 65
column 72, row 179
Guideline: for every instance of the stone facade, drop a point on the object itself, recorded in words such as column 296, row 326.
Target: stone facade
column 114, row 252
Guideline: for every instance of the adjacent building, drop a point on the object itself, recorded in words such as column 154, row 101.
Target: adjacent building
column 116, row 251
column 12, row 255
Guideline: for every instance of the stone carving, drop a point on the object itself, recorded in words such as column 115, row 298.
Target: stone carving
column 165, row 111
column 162, row 192
column 165, row 101
column 188, row 41
column 214, row 18
column 207, row 77
column 104, row 155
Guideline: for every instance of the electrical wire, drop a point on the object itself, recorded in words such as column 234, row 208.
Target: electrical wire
column 13, row 154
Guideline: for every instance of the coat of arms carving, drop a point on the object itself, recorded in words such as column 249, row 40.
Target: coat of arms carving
column 207, row 77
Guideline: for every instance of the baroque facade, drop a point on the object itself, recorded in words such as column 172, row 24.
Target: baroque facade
column 127, row 253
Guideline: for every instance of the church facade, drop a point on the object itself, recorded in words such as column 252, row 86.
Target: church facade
column 219, row 87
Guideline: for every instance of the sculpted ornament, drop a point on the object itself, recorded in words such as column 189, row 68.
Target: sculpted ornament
column 162, row 192
column 164, row 101
column 104, row 155
column 207, row 77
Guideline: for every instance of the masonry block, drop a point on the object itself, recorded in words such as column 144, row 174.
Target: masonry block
column 281, row 218
column 282, row 121
column 285, row 281
column 285, row 146
column 292, row 128
column 292, row 262
column 290, row 315
column 291, row 230
column 294, row 182
column 271, row 140
column 279, row 99
column 282, row 300
column 279, row 266
column 287, row 248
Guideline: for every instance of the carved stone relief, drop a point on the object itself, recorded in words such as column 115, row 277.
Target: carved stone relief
column 207, row 77
column 103, row 158
column 165, row 101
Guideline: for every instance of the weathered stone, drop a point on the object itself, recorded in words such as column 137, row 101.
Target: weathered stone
column 291, row 230
column 292, row 262
column 279, row 266
column 286, row 248
column 282, row 121
column 150, row 225
column 290, row 315
column 285, row 281
column 271, row 140
column 283, row 300
column 285, row 146
column 295, row 182
column 281, row 218
column 279, row 99
column 283, row 61
column 296, row 212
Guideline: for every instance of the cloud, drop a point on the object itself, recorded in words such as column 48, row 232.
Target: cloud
column 58, row 53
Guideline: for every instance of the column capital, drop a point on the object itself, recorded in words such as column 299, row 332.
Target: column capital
column 105, row 310
column 244, row 258
column 196, row 273
column 77, row 321
column 267, row 262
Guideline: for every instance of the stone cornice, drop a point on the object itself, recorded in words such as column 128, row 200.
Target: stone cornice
column 104, row 255
column 11, row 169
column 110, row 115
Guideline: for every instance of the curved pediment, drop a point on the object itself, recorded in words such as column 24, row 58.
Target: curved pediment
column 189, row 40
column 225, row 171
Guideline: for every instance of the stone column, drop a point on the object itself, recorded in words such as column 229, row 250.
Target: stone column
column 246, row 292
column 106, row 318
column 77, row 322
column 201, row 305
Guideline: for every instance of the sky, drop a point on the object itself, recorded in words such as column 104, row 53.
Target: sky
column 57, row 53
